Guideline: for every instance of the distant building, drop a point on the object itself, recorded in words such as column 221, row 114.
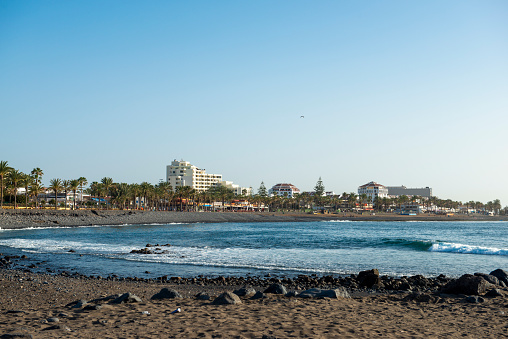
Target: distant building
column 396, row 191
column 236, row 188
column 182, row 173
column 373, row 190
column 284, row 189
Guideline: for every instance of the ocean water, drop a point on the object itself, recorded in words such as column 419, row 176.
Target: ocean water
column 240, row 249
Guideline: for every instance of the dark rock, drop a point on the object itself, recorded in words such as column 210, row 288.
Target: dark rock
column 490, row 278
column 203, row 296
column 258, row 295
column 227, row 298
column 77, row 304
column 245, row 292
column 474, row 299
column 92, row 307
column 319, row 293
column 501, row 275
column 292, row 293
column 495, row 292
column 166, row 293
column 276, row 289
column 467, row 284
column 53, row 320
column 369, row 278
column 126, row 298
column 15, row 335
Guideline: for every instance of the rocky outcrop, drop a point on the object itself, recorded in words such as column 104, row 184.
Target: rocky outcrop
column 227, row 298
column 369, row 278
column 166, row 293
column 501, row 275
column 467, row 284
column 276, row 289
column 245, row 292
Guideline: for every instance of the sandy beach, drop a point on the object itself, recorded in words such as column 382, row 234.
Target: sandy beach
column 40, row 306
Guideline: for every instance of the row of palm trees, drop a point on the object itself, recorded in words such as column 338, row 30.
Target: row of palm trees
column 162, row 196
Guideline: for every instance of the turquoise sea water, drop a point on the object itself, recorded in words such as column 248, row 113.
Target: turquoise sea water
column 232, row 249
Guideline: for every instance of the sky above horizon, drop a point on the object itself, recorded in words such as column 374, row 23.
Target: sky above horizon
column 397, row 92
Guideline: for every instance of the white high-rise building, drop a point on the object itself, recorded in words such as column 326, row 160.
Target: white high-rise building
column 182, row 173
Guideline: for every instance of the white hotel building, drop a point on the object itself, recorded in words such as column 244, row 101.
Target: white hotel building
column 373, row 189
column 182, row 173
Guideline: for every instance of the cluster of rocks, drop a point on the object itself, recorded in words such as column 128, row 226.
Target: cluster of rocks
column 147, row 250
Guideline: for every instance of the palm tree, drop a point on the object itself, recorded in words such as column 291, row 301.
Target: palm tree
column 37, row 173
column 56, row 186
column 351, row 199
column 66, row 186
column 107, row 184
column 35, row 190
column 15, row 178
column 82, row 182
column 73, row 186
column 27, row 181
column 4, row 171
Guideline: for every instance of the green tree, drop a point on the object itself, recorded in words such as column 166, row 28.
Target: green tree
column 262, row 192
column 5, row 169
column 319, row 189
column 73, row 186
column 66, row 187
column 35, row 190
column 27, row 181
column 37, row 173
column 15, row 178
column 107, row 185
column 82, row 183
column 56, row 186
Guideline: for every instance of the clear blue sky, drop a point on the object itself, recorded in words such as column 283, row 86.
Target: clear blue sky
column 408, row 93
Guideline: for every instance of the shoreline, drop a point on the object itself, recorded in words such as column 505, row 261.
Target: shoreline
column 18, row 219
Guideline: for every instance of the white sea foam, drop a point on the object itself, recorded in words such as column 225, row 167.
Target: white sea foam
column 62, row 246
column 467, row 249
column 337, row 221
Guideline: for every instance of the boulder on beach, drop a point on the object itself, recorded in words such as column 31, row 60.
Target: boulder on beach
column 320, row 293
column 245, row 292
column 258, row 295
column 276, row 289
column 501, row 275
column 126, row 298
column 166, row 293
column 490, row 278
column 467, row 284
column 227, row 298
column 369, row 278
column 202, row 296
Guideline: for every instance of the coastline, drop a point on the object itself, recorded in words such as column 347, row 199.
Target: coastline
column 18, row 219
